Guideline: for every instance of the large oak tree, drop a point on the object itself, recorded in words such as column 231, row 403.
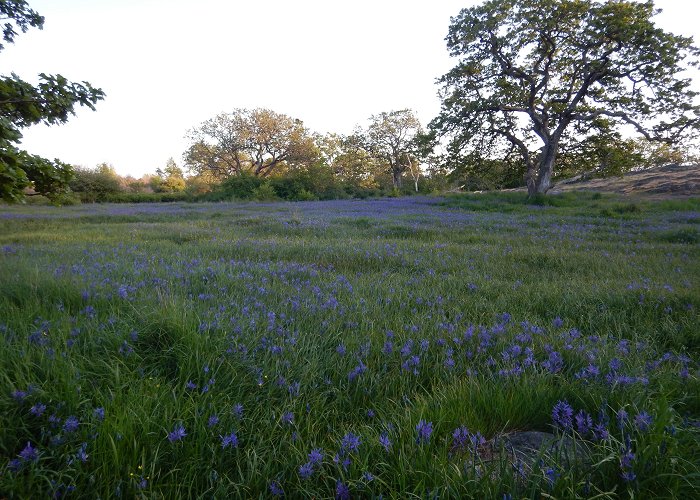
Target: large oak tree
column 536, row 76
column 245, row 141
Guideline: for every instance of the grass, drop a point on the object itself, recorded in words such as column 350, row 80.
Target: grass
column 327, row 320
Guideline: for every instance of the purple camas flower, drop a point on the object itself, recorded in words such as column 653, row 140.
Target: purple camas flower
column 626, row 464
column 554, row 363
column 177, row 434
column 19, row 395
column 99, row 413
column 316, row 456
column 238, row 411
column 388, row 347
column 276, row 489
column 213, row 420
column 342, row 492
column 562, row 414
column 288, row 418
column 600, row 431
column 584, row 423
column 82, row 453
column 425, row 430
column 621, row 418
column 341, row 349
column 71, row 424
column 643, row 421
column 558, row 322
column 190, row 386
column 38, row 409
column 551, row 475
column 229, row 440
column 384, row 441
column 306, row 470
column 29, row 453
column 357, row 371
column 350, row 443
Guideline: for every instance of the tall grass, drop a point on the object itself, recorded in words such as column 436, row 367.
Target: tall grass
column 268, row 331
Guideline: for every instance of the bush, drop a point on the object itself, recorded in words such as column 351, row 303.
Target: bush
column 241, row 187
column 265, row 192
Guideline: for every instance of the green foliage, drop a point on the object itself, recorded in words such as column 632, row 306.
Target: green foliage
column 550, row 80
column 95, row 185
column 265, row 192
column 238, row 299
column 169, row 180
column 256, row 142
column 22, row 104
column 240, row 187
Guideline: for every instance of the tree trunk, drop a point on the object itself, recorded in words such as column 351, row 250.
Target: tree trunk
column 396, row 178
column 545, row 169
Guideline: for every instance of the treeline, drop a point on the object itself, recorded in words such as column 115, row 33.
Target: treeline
column 262, row 155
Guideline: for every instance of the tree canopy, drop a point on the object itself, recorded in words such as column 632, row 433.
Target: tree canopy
column 535, row 78
column 253, row 141
column 391, row 138
column 22, row 104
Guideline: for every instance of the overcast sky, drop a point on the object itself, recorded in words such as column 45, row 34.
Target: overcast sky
column 168, row 65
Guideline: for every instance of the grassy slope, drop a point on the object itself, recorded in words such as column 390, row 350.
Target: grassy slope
column 120, row 307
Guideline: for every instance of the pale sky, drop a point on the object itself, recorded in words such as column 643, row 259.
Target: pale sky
column 168, row 65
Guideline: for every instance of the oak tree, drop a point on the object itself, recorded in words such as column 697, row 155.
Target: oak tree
column 255, row 142
column 534, row 77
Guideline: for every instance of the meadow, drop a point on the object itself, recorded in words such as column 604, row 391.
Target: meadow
column 351, row 349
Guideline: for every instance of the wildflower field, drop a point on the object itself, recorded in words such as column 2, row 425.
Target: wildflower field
column 351, row 349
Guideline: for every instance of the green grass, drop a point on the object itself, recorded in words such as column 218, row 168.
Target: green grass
column 129, row 307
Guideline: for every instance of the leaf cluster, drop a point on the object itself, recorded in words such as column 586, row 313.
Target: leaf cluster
column 52, row 101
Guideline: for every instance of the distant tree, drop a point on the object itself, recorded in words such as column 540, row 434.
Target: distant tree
column 256, row 142
column 392, row 139
column 169, row 180
column 348, row 159
column 23, row 104
column 535, row 75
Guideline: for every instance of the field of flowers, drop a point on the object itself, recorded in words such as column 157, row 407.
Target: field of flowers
column 351, row 349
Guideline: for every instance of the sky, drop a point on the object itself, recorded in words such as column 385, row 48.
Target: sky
column 168, row 65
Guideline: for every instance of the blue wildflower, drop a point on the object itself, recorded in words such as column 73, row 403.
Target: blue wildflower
column 29, row 453
column 177, row 434
column 316, row 456
column 584, row 423
column 82, row 453
column 38, row 409
column 384, row 441
column 350, row 443
column 342, row 492
column 643, row 421
column 71, row 424
column 99, row 413
column 238, row 411
column 229, row 440
column 562, row 414
column 425, row 430
column 276, row 489
column 306, row 470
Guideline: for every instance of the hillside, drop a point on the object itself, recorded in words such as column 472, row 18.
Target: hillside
column 662, row 182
